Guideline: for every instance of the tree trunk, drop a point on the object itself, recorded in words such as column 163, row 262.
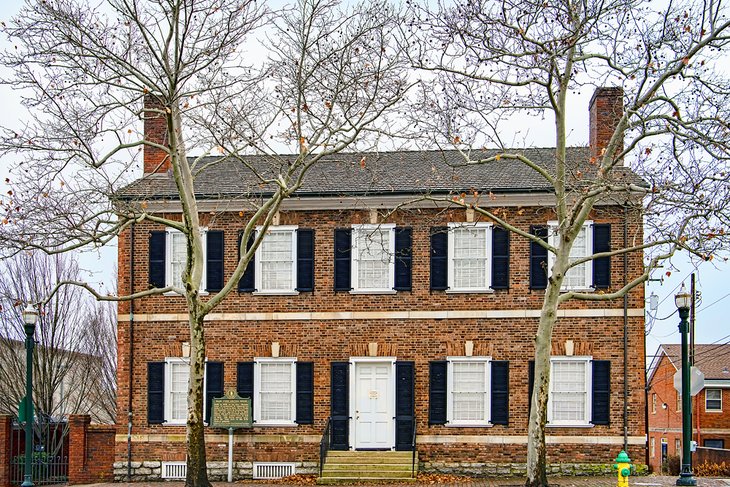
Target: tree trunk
column 197, row 474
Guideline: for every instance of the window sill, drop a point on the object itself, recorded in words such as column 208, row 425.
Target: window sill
column 577, row 425
column 470, row 291
column 275, row 293
column 174, row 423
column 373, row 291
column 275, row 425
column 713, row 411
column 577, row 289
column 173, row 293
column 471, row 425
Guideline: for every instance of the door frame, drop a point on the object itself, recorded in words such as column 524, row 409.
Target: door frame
column 354, row 361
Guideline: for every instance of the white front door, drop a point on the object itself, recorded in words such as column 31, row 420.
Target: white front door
column 374, row 405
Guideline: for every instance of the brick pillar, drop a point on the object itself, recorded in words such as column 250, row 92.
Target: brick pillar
column 605, row 110
column 155, row 130
column 77, row 428
column 6, row 429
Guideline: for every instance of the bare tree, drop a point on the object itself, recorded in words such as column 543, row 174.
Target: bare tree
column 73, row 369
column 489, row 62
column 332, row 73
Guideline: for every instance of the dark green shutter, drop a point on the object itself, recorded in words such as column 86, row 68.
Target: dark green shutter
column 500, row 392
column 305, row 259
column 340, row 406
column 213, row 386
column 157, row 245
column 437, row 392
column 244, row 381
column 214, row 260
column 530, row 385
column 500, row 258
column 305, row 392
column 404, row 405
column 403, row 259
column 247, row 283
column 538, row 259
column 601, row 401
column 343, row 254
column 602, row 266
column 439, row 258
column 156, row 392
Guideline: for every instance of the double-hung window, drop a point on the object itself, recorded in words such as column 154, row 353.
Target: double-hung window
column 276, row 257
column 274, row 391
column 176, row 389
column 713, row 399
column 569, row 403
column 177, row 257
column 579, row 276
column 373, row 258
column 468, row 391
column 469, row 249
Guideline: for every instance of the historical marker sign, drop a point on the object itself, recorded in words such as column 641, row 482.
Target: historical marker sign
column 231, row 411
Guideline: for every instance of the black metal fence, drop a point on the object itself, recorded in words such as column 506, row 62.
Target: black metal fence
column 49, row 459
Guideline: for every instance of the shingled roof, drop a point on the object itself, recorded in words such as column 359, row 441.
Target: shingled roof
column 712, row 359
column 372, row 173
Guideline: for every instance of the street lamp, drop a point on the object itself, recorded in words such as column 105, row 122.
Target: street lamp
column 30, row 317
column 683, row 300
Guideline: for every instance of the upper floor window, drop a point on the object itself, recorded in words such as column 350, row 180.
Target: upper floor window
column 579, row 276
column 713, row 399
column 373, row 259
column 276, row 257
column 470, row 247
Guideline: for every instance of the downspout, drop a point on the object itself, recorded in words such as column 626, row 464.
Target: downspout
column 626, row 330
column 131, row 357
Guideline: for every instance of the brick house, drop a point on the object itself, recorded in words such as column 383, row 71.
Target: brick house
column 420, row 323
column 710, row 411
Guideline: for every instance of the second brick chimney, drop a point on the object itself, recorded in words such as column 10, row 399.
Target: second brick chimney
column 606, row 109
column 155, row 130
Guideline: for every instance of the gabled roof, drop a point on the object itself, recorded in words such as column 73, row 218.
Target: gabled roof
column 371, row 173
column 712, row 359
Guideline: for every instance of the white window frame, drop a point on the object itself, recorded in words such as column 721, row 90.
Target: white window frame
column 259, row 275
column 257, row 403
column 487, row 227
column 588, row 266
column 586, row 421
column 168, row 389
column 713, row 410
column 168, row 259
column 486, row 420
column 355, row 267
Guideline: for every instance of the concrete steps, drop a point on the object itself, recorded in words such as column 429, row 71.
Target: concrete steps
column 367, row 466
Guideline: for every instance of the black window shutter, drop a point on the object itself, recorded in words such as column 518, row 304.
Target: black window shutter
column 601, row 401
column 530, row 385
column 213, row 386
column 602, row 266
column 340, row 406
column 437, row 392
column 439, row 258
column 155, row 392
column 500, row 258
column 403, row 259
column 214, row 265
column 500, row 392
column 305, row 392
column 538, row 259
column 244, row 381
column 305, row 259
column 157, row 259
column 343, row 264
column 247, row 283
column 404, row 405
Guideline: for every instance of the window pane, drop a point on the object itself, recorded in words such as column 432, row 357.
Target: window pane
column 569, row 391
column 373, row 255
column 180, row 372
column 276, row 260
column 576, row 276
column 713, row 399
column 469, row 391
column 470, row 258
column 276, row 391
column 178, row 258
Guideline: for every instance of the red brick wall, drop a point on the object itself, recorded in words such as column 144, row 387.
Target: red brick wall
column 605, row 110
column 91, row 451
column 5, row 432
column 155, row 130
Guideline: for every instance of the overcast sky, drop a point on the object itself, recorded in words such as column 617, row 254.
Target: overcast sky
column 713, row 311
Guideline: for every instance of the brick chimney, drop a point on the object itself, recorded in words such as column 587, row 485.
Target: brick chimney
column 155, row 130
column 606, row 109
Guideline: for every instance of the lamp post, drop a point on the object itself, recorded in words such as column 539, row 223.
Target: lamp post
column 30, row 316
column 683, row 300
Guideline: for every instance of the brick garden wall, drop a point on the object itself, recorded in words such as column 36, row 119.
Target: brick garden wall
column 91, row 451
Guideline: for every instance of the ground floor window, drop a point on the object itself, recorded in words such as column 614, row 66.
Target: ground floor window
column 713, row 443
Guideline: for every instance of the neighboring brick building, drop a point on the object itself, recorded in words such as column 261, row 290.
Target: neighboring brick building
column 710, row 407
column 426, row 318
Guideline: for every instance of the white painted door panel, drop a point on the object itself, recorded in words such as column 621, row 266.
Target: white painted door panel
column 373, row 406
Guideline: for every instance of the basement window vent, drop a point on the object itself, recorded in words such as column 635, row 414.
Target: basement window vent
column 270, row 470
column 174, row 470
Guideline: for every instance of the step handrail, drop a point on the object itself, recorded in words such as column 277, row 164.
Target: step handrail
column 413, row 448
column 324, row 445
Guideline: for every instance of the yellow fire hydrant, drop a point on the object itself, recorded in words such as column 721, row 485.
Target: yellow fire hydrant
column 623, row 467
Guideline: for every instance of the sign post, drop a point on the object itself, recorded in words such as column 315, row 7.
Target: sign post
column 231, row 411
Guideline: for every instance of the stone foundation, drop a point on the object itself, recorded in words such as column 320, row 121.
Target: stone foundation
column 473, row 469
column 151, row 471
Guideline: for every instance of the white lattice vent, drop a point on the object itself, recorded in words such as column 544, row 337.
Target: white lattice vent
column 174, row 470
column 272, row 470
